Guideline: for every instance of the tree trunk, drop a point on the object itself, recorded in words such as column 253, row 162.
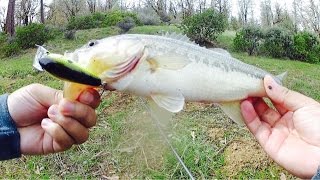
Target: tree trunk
column 10, row 18
column 41, row 12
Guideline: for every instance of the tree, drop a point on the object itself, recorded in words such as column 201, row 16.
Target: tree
column 71, row 8
column 2, row 18
column 9, row 26
column 204, row 27
column 41, row 12
column 245, row 7
column 295, row 15
column 266, row 13
column 26, row 11
column 222, row 6
column 160, row 7
column 187, row 8
column 107, row 5
column 92, row 5
column 314, row 16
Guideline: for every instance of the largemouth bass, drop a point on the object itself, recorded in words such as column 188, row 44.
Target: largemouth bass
column 169, row 70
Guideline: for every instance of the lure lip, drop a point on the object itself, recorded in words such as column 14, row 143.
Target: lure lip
column 61, row 71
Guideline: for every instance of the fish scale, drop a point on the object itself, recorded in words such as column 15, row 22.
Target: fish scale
column 196, row 51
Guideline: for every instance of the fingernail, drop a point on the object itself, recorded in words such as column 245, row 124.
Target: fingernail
column 45, row 122
column 53, row 110
column 87, row 97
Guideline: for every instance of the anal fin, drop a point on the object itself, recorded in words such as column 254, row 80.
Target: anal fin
column 232, row 109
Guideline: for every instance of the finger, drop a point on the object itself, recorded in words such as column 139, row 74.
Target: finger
column 77, row 131
column 259, row 129
column 260, row 106
column 280, row 108
column 61, row 140
column 284, row 97
column 90, row 97
column 81, row 112
column 266, row 113
column 44, row 94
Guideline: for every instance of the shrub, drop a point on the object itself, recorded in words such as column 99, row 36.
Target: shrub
column 204, row 27
column 114, row 17
column 278, row 42
column 149, row 19
column 306, row 47
column 83, row 22
column 8, row 46
column 126, row 24
column 248, row 40
column 148, row 16
column 70, row 34
column 29, row 36
column 98, row 20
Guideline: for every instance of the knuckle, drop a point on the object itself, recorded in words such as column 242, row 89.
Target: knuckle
column 58, row 95
column 32, row 88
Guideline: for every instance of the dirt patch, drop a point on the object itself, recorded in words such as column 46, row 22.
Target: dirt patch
column 244, row 154
column 216, row 133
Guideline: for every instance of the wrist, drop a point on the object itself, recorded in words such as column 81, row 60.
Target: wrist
column 9, row 135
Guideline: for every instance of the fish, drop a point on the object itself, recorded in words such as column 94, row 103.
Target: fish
column 168, row 70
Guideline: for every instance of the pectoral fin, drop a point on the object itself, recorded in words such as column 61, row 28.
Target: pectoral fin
column 232, row 109
column 172, row 62
column 172, row 103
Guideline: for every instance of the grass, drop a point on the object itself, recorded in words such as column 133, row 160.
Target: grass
column 126, row 143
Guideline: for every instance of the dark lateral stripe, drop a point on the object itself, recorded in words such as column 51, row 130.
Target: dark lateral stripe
column 65, row 72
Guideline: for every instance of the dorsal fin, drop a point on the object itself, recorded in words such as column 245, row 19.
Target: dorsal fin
column 178, row 36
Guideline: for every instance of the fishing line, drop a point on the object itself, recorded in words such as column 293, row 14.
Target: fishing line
column 156, row 120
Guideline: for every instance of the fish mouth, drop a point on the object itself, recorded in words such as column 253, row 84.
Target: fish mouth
column 69, row 71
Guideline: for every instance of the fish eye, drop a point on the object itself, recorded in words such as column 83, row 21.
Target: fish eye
column 92, row 43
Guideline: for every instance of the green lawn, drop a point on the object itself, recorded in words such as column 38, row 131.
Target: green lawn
column 126, row 142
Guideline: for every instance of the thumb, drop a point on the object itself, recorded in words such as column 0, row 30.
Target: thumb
column 291, row 100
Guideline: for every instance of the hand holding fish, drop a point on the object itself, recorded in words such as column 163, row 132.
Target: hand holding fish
column 290, row 135
column 47, row 123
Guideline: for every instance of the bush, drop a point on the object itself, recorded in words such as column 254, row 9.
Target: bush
column 126, row 24
column 278, row 42
column 149, row 20
column 148, row 16
column 114, row 17
column 83, row 22
column 306, row 47
column 248, row 40
column 8, row 46
column 9, row 49
column 98, row 20
column 70, row 34
column 91, row 21
column 29, row 36
column 204, row 27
